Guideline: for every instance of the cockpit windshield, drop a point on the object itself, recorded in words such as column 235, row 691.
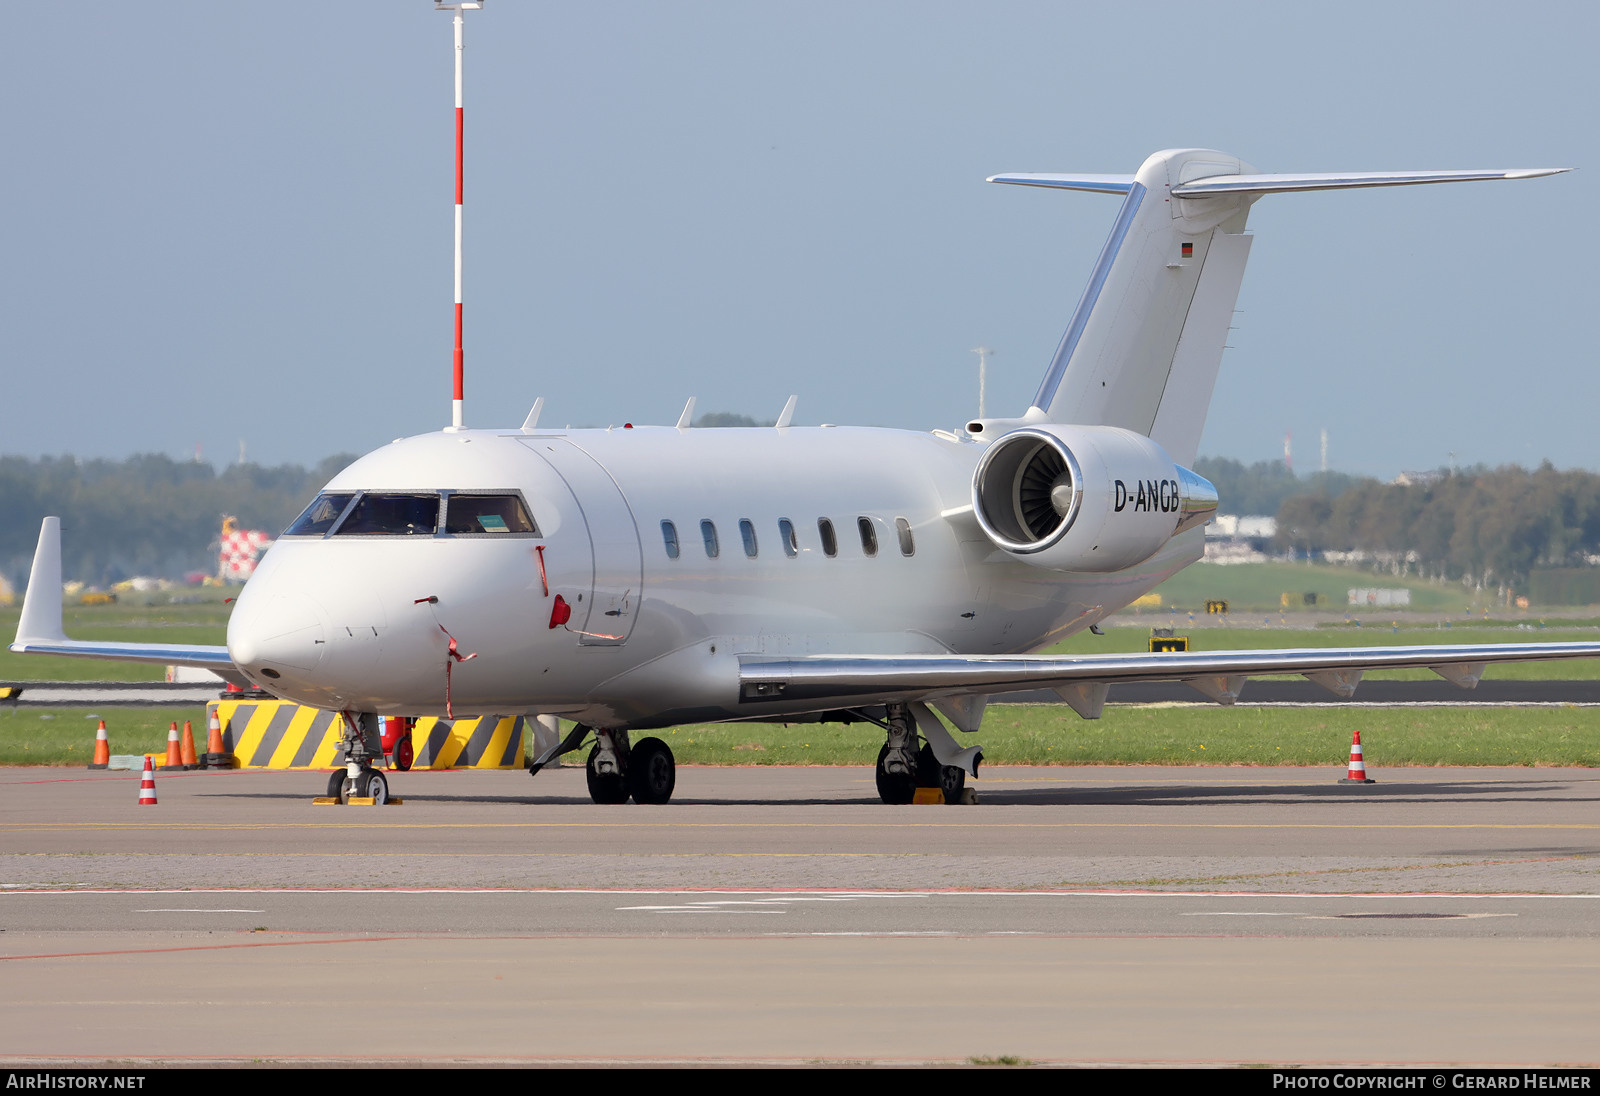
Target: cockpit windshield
column 319, row 516
column 414, row 513
column 386, row 515
column 466, row 514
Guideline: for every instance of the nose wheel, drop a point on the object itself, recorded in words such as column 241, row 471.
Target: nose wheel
column 361, row 745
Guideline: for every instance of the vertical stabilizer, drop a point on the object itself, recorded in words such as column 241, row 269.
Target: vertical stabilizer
column 1144, row 344
column 1143, row 347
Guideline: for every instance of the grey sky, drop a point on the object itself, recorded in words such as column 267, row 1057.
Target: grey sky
column 229, row 221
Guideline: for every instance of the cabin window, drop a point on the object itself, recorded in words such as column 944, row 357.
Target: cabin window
column 869, row 536
column 830, row 543
column 320, row 515
column 669, row 537
column 490, row 515
column 747, row 533
column 908, row 546
column 708, row 533
column 791, row 543
column 391, row 515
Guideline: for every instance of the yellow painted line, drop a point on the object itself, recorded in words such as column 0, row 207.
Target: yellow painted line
column 967, row 827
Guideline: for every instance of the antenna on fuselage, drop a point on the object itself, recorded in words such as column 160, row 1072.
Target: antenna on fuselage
column 459, row 6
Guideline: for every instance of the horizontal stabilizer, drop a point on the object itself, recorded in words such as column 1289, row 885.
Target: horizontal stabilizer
column 1339, row 180
column 1095, row 184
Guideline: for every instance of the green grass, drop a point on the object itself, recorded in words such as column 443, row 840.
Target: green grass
column 1013, row 734
column 128, row 621
column 1259, row 587
column 65, row 736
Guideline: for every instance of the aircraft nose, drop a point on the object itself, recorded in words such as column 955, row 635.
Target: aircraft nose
column 270, row 634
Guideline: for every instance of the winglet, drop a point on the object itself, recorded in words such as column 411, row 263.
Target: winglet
column 686, row 420
column 41, row 605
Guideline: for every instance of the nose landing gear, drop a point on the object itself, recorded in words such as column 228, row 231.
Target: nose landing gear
column 361, row 744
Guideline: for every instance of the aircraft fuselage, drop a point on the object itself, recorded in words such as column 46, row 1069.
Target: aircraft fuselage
column 634, row 622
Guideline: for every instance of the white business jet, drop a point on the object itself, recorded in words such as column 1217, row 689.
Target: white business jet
column 641, row 577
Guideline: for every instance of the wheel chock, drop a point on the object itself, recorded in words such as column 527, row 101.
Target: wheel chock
column 928, row 795
column 354, row 801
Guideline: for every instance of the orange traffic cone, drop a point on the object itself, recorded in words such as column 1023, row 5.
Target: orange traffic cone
column 216, row 758
column 147, row 784
column 102, row 748
column 190, row 761
column 1358, row 768
column 174, row 751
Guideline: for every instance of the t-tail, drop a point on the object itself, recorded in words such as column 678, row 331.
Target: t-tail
column 1144, row 344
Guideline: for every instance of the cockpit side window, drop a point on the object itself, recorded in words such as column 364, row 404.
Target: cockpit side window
column 320, row 515
column 391, row 515
column 488, row 514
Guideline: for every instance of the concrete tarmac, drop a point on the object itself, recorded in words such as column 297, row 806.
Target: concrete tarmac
column 1075, row 916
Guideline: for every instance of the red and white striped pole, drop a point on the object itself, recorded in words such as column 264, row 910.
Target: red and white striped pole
column 460, row 370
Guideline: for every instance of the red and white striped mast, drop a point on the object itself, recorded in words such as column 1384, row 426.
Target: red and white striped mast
column 460, row 384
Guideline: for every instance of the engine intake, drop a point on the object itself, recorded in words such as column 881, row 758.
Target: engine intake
column 1085, row 498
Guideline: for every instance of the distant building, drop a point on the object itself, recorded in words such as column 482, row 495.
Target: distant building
column 1235, row 538
column 1378, row 597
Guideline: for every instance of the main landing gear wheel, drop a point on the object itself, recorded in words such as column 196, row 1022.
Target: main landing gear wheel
column 894, row 788
column 947, row 778
column 607, row 787
column 336, row 785
column 652, row 773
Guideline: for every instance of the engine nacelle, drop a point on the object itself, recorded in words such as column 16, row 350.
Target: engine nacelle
column 1085, row 498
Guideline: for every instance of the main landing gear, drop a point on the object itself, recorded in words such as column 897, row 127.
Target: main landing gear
column 361, row 745
column 903, row 767
column 616, row 771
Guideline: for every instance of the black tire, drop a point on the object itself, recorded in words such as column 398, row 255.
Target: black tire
column 374, row 785
column 928, row 775
column 952, row 781
column 404, row 753
column 652, row 772
column 894, row 788
column 604, row 787
column 336, row 784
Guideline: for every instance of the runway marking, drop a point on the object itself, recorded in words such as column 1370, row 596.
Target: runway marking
column 809, row 894
column 198, row 911
column 1343, row 916
column 171, row 827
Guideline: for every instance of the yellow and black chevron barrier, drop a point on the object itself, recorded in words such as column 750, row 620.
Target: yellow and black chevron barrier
column 278, row 734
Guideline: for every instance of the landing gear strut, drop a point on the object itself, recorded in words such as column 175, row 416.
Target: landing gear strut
column 903, row 768
column 362, row 744
column 616, row 770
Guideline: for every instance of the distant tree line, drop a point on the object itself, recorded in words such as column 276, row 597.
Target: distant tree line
column 147, row 515
column 1261, row 488
column 1489, row 527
